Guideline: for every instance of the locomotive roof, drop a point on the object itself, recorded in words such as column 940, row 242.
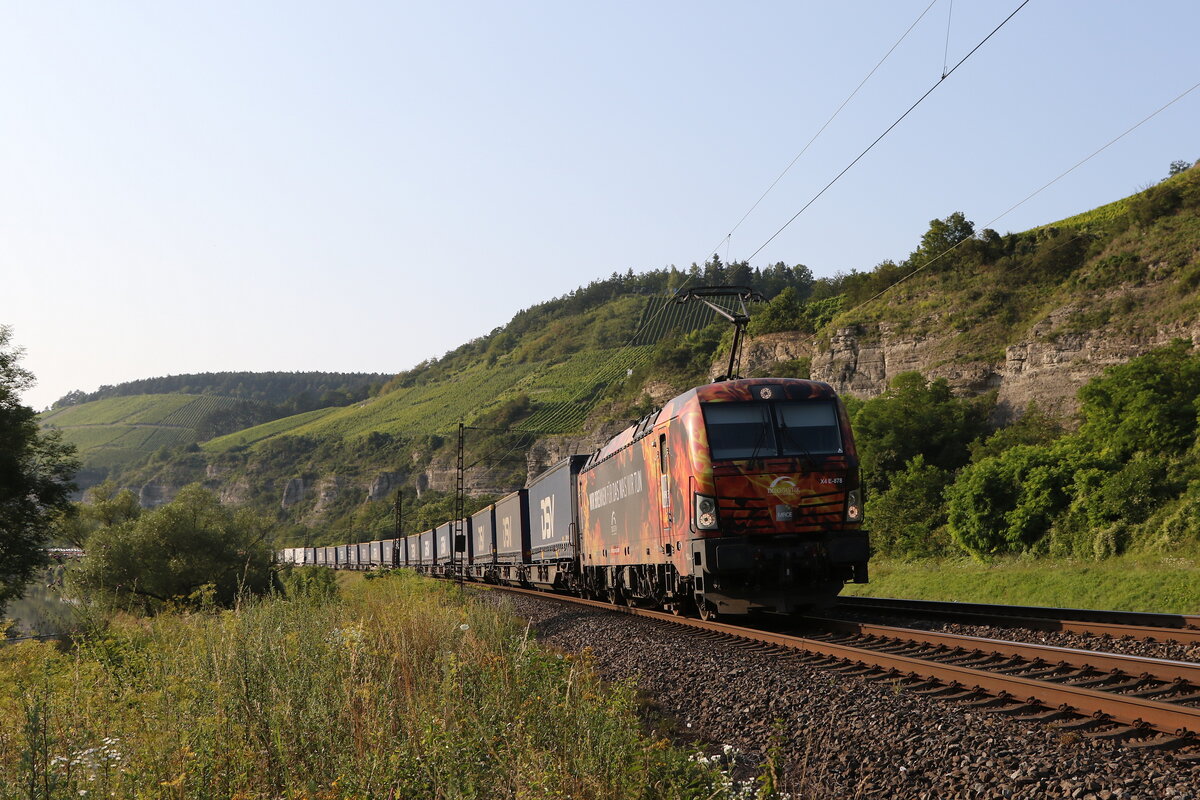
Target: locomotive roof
column 739, row 390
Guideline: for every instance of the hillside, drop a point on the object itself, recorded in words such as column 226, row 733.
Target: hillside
column 1031, row 316
column 259, row 387
column 118, row 431
column 122, row 426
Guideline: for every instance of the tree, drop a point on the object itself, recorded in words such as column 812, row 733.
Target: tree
column 1147, row 404
column 1006, row 503
column 916, row 417
column 1178, row 167
column 942, row 236
column 191, row 551
column 35, row 473
column 106, row 505
column 908, row 518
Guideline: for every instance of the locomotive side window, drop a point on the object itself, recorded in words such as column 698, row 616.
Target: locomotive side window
column 808, row 428
column 739, row 430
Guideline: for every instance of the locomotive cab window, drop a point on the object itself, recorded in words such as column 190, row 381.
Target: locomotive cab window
column 765, row 430
column 740, row 430
column 808, row 428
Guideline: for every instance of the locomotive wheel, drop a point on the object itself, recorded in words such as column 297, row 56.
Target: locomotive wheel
column 707, row 610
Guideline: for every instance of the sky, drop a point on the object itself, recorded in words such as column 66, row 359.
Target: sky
column 360, row 186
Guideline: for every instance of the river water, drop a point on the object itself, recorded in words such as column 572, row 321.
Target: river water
column 41, row 611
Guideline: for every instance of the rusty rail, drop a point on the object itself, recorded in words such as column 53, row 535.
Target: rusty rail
column 1140, row 714
column 1182, row 628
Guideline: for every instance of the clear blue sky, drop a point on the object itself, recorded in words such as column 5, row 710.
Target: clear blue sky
column 358, row 186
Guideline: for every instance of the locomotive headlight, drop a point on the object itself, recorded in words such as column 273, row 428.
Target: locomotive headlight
column 854, row 511
column 706, row 513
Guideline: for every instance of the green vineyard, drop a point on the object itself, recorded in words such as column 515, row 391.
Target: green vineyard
column 560, row 393
column 118, row 431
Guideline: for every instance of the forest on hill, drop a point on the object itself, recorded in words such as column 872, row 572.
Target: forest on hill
column 564, row 372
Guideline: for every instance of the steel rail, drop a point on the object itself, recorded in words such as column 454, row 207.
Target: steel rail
column 1136, row 712
column 1160, row 668
column 1182, row 628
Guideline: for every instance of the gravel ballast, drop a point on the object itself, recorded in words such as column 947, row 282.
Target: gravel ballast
column 839, row 736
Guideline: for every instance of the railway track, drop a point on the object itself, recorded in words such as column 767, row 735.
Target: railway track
column 1142, row 702
column 1181, row 628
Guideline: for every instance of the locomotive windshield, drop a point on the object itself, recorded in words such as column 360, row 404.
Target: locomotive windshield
column 764, row 430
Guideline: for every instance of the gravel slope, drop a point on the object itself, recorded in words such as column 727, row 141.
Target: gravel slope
column 848, row 737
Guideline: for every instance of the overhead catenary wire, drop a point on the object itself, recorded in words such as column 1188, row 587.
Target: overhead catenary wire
column 889, row 129
column 1032, row 195
column 622, row 363
column 729, row 236
column 563, row 415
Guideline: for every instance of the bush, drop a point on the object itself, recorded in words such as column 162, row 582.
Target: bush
column 908, row 520
column 916, row 417
column 1005, row 504
column 191, row 552
column 1149, row 403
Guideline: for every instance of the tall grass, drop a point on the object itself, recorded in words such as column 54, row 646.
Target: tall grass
column 1125, row 583
column 400, row 687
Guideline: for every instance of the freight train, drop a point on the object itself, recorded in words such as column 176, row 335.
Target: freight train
column 736, row 497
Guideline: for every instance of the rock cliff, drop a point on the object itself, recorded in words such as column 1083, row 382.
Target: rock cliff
column 1046, row 366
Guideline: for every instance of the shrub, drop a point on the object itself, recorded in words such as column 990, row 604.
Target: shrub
column 908, row 520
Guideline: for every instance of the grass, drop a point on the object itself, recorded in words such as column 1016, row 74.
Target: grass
column 1127, row 583
column 397, row 687
column 120, row 430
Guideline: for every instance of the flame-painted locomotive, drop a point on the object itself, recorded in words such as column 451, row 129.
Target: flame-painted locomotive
column 735, row 497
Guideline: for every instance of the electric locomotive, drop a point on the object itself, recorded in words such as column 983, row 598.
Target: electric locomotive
column 737, row 496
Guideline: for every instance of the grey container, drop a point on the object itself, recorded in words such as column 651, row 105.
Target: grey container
column 483, row 536
column 512, row 528
column 554, row 512
column 428, row 548
column 445, row 543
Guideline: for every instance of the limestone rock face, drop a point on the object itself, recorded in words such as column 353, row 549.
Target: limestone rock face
column 384, row 485
column 1049, row 369
column 293, row 492
column 237, row 491
column 1047, row 366
column 155, row 494
column 327, row 490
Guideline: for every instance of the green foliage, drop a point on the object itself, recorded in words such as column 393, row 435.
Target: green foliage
column 1149, row 403
column 1157, row 201
column 916, row 417
column 192, row 551
column 907, row 520
column 1005, row 503
column 943, row 237
column 308, row 582
column 106, row 506
column 1034, row 427
column 336, row 388
column 783, row 313
column 35, row 473
column 398, row 687
column 1116, row 484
